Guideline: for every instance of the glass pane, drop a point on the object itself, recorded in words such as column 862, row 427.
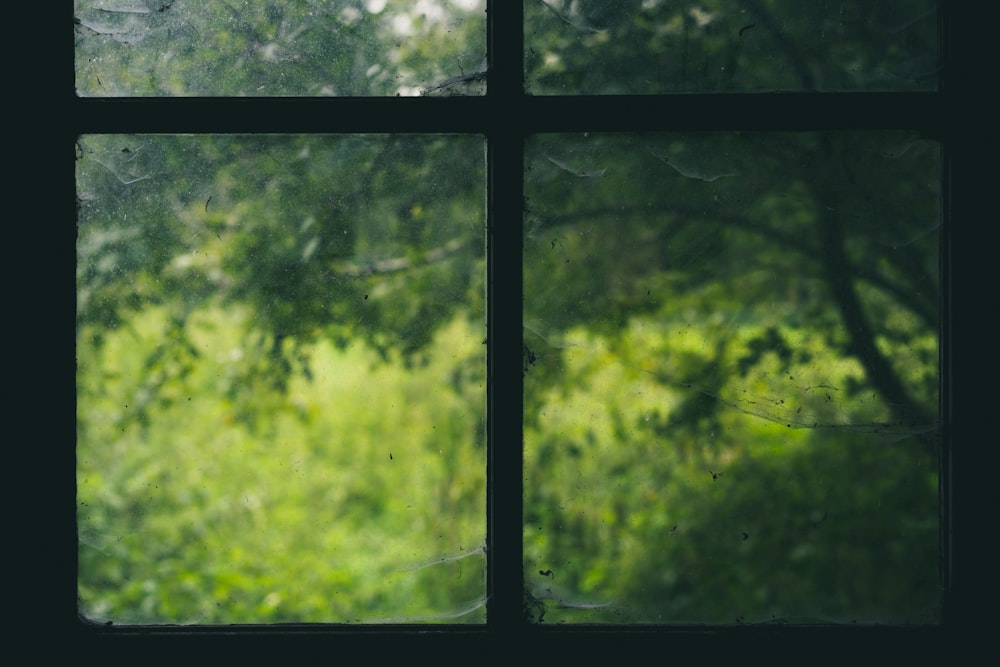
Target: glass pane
column 731, row 378
column 655, row 46
column 281, row 379
column 275, row 48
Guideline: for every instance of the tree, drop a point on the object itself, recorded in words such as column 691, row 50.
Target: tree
column 731, row 337
column 747, row 46
column 723, row 330
column 273, row 325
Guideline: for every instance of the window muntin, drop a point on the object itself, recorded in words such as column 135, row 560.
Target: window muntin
column 731, row 378
column 280, row 379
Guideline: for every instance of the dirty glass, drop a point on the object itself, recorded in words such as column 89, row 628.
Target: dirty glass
column 656, row 46
column 275, row 48
column 281, row 379
column 731, row 368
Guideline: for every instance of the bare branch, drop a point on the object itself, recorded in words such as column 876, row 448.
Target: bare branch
column 397, row 264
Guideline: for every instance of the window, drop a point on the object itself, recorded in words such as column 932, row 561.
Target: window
column 599, row 276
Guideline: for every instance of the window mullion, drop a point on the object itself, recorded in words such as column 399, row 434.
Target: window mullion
column 506, row 158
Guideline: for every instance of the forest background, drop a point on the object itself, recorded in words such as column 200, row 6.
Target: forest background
column 731, row 348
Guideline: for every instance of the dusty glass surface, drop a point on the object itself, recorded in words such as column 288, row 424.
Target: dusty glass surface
column 281, row 379
column 660, row 46
column 273, row 48
column 732, row 378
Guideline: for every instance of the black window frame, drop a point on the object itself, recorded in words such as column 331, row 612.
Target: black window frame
column 504, row 116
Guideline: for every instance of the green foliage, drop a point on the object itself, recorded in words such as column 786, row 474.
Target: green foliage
column 732, row 412
column 653, row 500
column 730, row 339
column 205, row 495
column 319, row 234
column 660, row 46
column 281, row 378
column 228, row 48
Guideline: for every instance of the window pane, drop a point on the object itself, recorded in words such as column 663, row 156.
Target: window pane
column 654, row 46
column 281, row 379
column 274, row 48
column 731, row 378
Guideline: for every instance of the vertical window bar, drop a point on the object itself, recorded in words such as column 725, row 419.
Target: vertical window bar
column 504, row 334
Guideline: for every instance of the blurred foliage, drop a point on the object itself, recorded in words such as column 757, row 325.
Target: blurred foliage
column 281, row 378
column 208, row 496
column 270, row 48
column 732, row 396
column 320, row 234
column 730, row 340
column 660, row 46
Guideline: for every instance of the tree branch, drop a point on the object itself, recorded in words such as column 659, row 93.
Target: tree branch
column 840, row 278
column 396, row 264
column 792, row 52
column 793, row 242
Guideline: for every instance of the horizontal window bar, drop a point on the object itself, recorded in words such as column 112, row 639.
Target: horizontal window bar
column 772, row 111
